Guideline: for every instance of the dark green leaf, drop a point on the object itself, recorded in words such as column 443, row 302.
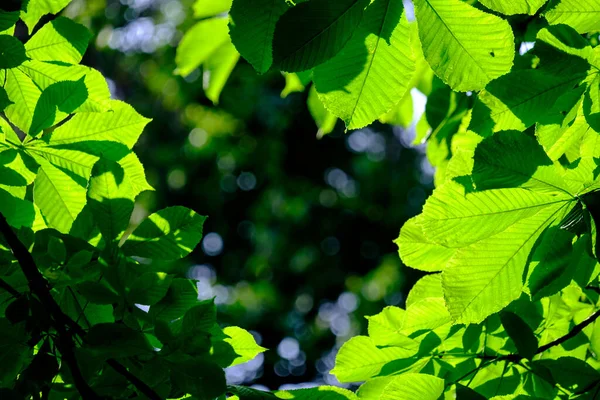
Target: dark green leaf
column 12, row 52
column 312, row 32
column 520, row 333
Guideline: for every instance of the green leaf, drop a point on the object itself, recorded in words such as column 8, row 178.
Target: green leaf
column 251, row 29
column 295, row 82
column 524, row 96
column 59, row 197
column 110, row 199
column 200, row 318
column 404, row 387
column 385, row 329
column 359, row 359
column 550, row 262
column 570, row 372
column 24, row 95
column 243, row 343
column 512, row 7
column 199, row 43
column 218, row 67
column 418, row 251
column 13, row 52
column 467, row 48
column 116, row 340
column 181, row 296
column 36, row 9
column 14, row 351
column 59, row 40
column 520, row 333
column 210, row 8
column 4, row 100
column 45, row 74
column 98, row 292
column 324, row 119
column 168, row 234
column 122, row 125
column 55, row 103
column 8, row 19
column 591, row 105
column 316, row 393
column 372, row 72
column 202, row 379
column 312, row 32
column 429, row 286
column 149, row 288
column 583, row 15
column 17, row 168
column 513, row 159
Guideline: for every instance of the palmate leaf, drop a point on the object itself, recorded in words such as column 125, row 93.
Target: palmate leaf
column 493, row 231
column 583, row 15
column 372, row 72
column 512, row 7
column 59, row 40
column 404, row 387
column 168, row 234
column 251, row 29
column 467, row 48
column 310, row 33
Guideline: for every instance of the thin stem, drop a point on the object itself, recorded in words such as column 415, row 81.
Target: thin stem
column 572, row 333
column 11, row 290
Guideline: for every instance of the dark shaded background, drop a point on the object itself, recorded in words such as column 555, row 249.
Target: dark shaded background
column 299, row 245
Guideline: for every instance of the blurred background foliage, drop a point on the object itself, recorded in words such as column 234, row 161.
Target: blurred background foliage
column 298, row 246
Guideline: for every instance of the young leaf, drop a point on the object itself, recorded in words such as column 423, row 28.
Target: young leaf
column 324, row 120
column 110, row 199
column 251, row 29
column 218, row 67
column 467, row 48
column 59, row 40
column 372, row 72
column 168, row 234
column 312, row 32
column 520, row 333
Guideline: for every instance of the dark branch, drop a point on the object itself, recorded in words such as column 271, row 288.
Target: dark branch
column 40, row 288
column 572, row 333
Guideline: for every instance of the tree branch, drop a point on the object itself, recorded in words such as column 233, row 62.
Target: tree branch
column 11, row 290
column 572, row 333
column 40, row 288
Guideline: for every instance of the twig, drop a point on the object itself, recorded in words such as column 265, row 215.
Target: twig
column 572, row 333
column 40, row 288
